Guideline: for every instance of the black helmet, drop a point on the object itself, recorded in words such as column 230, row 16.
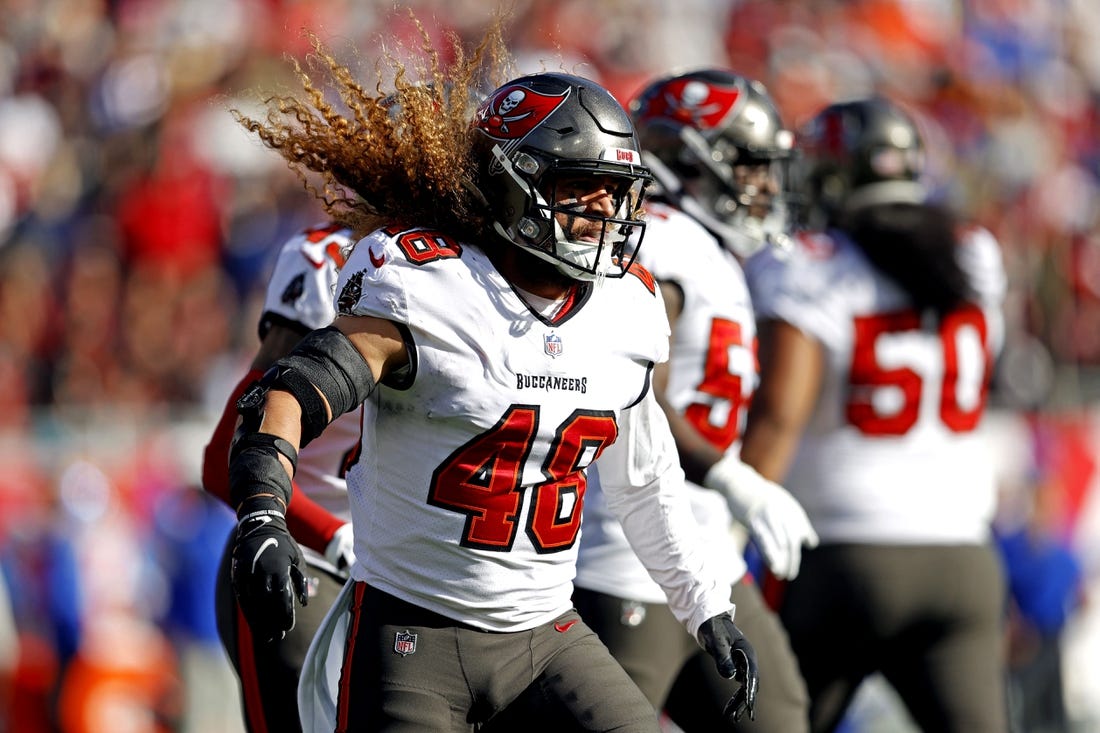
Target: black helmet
column 860, row 152
column 539, row 129
column 702, row 126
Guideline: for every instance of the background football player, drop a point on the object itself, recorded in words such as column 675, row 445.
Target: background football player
column 719, row 148
column 877, row 336
column 268, row 660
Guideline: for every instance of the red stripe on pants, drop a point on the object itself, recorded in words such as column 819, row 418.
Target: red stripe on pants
column 250, row 681
column 343, row 699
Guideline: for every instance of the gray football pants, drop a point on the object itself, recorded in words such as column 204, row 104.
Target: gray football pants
column 408, row 669
column 928, row 617
column 678, row 676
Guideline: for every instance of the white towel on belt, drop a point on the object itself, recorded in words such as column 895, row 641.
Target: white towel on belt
column 320, row 678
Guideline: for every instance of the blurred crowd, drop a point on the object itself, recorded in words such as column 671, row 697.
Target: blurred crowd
column 138, row 220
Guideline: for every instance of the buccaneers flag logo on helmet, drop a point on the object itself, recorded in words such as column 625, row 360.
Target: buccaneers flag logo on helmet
column 692, row 102
column 514, row 111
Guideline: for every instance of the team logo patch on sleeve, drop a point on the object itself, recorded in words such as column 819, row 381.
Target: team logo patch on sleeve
column 404, row 643
column 350, row 294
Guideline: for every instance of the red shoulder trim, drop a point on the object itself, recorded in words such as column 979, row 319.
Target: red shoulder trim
column 638, row 271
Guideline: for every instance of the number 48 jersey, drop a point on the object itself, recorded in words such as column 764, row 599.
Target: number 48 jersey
column 893, row 452
column 467, row 496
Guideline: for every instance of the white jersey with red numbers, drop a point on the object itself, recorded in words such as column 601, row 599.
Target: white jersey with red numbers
column 467, row 495
column 300, row 296
column 712, row 375
column 894, row 451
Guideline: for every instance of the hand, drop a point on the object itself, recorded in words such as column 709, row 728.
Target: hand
column 773, row 517
column 734, row 657
column 780, row 528
column 341, row 548
column 266, row 570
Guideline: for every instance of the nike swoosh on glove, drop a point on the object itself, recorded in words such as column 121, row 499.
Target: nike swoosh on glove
column 266, row 569
column 777, row 522
column 734, row 657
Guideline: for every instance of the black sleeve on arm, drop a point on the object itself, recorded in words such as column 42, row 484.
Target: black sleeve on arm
column 324, row 362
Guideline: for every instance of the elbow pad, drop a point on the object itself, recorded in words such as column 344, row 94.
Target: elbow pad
column 326, row 363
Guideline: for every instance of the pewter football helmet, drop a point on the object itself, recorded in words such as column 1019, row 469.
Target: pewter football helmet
column 544, row 128
column 858, row 153
column 721, row 153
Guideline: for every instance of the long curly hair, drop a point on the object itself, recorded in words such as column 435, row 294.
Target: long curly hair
column 397, row 156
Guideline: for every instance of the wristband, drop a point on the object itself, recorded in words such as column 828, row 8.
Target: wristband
column 256, row 469
column 265, row 440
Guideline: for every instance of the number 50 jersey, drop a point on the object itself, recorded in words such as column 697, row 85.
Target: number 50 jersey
column 467, row 496
column 892, row 453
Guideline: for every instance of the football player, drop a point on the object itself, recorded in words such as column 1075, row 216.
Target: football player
column 877, row 339
column 501, row 338
column 268, row 661
column 719, row 149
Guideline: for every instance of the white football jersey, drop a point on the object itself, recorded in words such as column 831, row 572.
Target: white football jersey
column 893, row 452
column 300, row 295
column 712, row 375
column 468, row 492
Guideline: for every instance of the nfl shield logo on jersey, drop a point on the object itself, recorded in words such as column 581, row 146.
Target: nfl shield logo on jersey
column 404, row 643
column 552, row 344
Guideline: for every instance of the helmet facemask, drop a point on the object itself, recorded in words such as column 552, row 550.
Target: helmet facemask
column 558, row 227
column 740, row 194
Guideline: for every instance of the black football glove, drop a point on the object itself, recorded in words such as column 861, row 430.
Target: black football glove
column 266, row 569
column 734, row 657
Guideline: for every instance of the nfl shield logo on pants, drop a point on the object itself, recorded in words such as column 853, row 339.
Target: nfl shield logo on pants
column 404, row 643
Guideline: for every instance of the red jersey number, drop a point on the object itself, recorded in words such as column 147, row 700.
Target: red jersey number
column 721, row 383
column 866, row 375
column 422, row 246
column 482, row 480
